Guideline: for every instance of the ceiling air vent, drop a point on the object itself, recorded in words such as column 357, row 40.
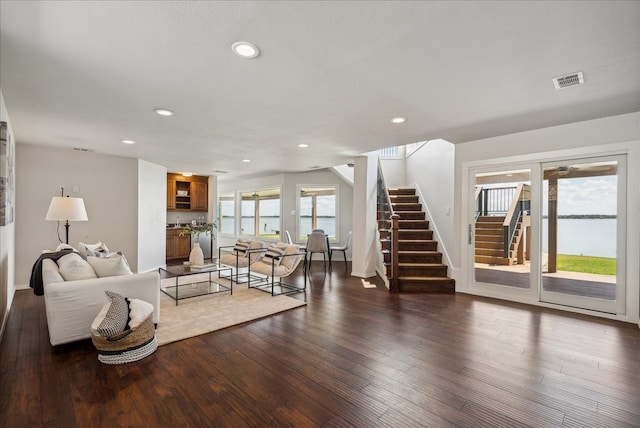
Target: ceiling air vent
column 82, row 149
column 567, row 80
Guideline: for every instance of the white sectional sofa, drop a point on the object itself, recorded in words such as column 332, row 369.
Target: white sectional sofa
column 72, row 306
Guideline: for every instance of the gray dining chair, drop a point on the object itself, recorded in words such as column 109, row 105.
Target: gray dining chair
column 317, row 242
column 342, row 248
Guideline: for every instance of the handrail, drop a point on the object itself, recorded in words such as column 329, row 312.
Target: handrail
column 385, row 208
column 520, row 204
column 479, row 192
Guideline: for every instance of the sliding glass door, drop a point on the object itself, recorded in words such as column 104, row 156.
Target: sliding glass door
column 583, row 233
column 553, row 232
column 502, row 228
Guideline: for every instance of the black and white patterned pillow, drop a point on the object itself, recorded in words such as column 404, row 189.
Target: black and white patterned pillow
column 241, row 247
column 116, row 319
column 273, row 255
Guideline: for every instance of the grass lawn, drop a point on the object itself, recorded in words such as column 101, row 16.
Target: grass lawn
column 587, row 264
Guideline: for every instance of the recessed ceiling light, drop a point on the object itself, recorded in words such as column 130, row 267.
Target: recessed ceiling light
column 246, row 160
column 245, row 49
column 399, row 119
column 164, row 112
column 128, row 141
column 303, row 145
column 187, row 174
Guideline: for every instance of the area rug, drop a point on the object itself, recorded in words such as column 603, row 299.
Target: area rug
column 204, row 314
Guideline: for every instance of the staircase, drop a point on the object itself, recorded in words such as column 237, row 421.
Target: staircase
column 489, row 241
column 420, row 267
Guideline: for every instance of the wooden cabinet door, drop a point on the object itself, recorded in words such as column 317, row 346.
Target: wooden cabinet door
column 171, row 246
column 171, row 194
column 199, row 199
column 183, row 247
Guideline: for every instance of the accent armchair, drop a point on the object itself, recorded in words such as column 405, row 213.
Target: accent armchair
column 278, row 262
column 240, row 256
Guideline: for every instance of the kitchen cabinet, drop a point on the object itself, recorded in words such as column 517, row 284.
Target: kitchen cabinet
column 199, row 199
column 171, row 194
column 178, row 247
column 187, row 193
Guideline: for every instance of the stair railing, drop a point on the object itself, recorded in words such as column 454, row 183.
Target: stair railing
column 519, row 207
column 386, row 213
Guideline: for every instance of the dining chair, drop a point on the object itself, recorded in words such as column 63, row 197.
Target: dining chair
column 342, row 248
column 287, row 236
column 317, row 242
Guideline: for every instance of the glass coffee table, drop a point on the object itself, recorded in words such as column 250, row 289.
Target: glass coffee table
column 192, row 282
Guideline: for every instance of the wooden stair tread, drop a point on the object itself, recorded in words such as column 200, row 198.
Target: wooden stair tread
column 414, row 233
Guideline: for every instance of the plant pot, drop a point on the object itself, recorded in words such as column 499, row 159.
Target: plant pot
column 196, row 257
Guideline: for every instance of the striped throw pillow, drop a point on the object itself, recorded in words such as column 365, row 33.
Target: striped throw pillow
column 273, row 255
column 117, row 316
column 241, row 247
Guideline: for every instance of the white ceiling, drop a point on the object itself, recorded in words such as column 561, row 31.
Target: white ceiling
column 330, row 74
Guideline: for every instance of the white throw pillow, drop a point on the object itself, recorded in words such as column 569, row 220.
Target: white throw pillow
column 72, row 267
column 98, row 249
column 139, row 310
column 114, row 265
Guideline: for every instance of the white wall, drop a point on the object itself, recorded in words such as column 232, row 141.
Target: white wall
column 152, row 208
column 108, row 185
column 7, row 247
column 430, row 170
column 394, row 171
column 590, row 138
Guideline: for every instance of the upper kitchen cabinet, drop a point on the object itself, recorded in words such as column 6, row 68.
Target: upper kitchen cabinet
column 187, row 193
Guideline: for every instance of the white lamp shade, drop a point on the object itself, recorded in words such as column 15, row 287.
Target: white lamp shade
column 66, row 208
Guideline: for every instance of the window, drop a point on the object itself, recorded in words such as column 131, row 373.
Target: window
column 260, row 213
column 226, row 214
column 317, row 209
column 389, row 152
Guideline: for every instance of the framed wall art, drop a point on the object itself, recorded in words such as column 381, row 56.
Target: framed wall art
column 7, row 176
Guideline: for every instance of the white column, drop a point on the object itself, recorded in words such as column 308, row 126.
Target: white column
column 364, row 216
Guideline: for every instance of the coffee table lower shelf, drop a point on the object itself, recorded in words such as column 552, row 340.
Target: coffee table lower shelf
column 190, row 284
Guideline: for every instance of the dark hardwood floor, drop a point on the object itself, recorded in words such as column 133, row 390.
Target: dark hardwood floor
column 352, row 357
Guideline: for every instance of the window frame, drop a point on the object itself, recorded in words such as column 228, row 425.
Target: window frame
column 229, row 196
column 333, row 186
column 277, row 194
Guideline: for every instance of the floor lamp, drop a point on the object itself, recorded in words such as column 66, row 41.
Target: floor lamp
column 66, row 209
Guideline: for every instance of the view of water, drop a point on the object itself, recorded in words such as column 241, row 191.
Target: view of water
column 272, row 224
column 588, row 237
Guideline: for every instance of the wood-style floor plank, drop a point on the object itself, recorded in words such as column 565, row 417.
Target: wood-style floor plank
column 353, row 357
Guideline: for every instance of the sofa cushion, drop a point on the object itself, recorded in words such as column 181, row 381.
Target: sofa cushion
column 98, row 249
column 114, row 265
column 73, row 267
column 113, row 319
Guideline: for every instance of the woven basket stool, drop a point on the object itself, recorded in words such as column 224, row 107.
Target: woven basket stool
column 129, row 346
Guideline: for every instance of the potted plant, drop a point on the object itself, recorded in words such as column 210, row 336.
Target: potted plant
column 196, row 257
